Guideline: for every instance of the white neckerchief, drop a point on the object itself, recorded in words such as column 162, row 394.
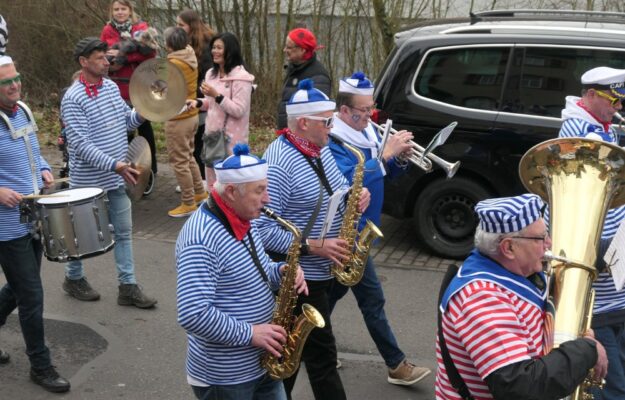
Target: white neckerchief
column 365, row 139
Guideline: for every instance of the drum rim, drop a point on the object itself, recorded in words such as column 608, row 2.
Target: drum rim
column 54, row 202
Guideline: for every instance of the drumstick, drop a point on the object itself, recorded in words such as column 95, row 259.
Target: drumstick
column 41, row 196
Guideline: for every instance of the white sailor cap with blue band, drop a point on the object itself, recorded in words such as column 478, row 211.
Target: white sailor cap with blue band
column 241, row 167
column 308, row 100
column 358, row 83
column 509, row 214
column 605, row 78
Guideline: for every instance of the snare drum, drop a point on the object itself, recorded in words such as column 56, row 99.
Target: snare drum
column 75, row 225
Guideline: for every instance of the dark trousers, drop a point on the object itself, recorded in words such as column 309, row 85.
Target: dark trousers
column 145, row 130
column 21, row 262
column 197, row 150
column 319, row 353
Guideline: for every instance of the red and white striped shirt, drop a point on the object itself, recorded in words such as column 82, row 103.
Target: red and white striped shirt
column 486, row 327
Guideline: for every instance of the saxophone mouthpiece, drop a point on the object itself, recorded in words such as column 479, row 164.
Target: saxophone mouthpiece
column 268, row 212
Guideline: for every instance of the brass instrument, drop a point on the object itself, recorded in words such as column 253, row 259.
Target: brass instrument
column 350, row 273
column 621, row 121
column 580, row 179
column 299, row 328
column 425, row 163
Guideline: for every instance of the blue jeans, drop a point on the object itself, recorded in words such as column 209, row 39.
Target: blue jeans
column 120, row 215
column 370, row 298
column 263, row 388
column 612, row 337
column 21, row 262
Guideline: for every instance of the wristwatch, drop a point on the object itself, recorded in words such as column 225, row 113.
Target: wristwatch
column 219, row 98
column 304, row 248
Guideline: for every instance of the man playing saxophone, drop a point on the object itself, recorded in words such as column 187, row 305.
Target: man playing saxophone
column 603, row 90
column 302, row 176
column 493, row 324
column 224, row 287
column 351, row 125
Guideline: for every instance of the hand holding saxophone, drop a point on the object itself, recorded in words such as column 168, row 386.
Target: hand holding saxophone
column 300, row 285
column 334, row 249
column 398, row 145
column 365, row 199
column 269, row 337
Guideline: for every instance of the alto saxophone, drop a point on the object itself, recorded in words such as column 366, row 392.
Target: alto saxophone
column 299, row 328
column 350, row 273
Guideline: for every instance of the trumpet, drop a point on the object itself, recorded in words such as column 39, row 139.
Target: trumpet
column 425, row 163
column 620, row 119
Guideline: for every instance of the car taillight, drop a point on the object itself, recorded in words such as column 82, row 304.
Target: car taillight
column 378, row 116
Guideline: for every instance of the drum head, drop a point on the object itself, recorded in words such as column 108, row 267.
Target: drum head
column 71, row 195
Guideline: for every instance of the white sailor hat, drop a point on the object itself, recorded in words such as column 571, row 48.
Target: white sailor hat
column 241, row 167
column 606, row 78
column 356, row 84
column 308, row 100
column 4, row 60
column 4, row 35
column 509, row 214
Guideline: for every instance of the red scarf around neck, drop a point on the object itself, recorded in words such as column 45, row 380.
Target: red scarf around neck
column 303, row 145
column 239, row 226
column 605, row 124
column 90, row 88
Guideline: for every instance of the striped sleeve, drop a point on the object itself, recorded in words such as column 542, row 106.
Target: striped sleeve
column 574, row 127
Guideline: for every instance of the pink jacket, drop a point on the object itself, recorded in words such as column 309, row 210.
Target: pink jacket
column 236, row 87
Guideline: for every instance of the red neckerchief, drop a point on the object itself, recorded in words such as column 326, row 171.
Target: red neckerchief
column 90, row 88
column 239, row 226
column 10, row 112
column 606, row 125
column 305, row 146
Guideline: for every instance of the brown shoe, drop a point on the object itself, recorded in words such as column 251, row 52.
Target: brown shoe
column 132, row 295
column 407, row 374
column 80, row 289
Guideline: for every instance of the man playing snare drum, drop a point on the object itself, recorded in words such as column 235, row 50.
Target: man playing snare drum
column 97, row 119
column 22, row 171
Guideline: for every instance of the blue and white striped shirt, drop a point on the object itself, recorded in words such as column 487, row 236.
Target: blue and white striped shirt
column 15, row 173
column 220, row 295
column 293, row 193
column 606, row 297
column 96, row 130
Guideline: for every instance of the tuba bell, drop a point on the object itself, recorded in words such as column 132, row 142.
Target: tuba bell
column 580, row 179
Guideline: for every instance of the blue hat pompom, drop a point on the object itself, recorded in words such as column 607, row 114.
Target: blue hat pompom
column 359, row 75
column 306, row 84
column 241, row 149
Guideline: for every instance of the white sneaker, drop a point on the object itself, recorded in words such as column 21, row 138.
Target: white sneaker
column 178, row 190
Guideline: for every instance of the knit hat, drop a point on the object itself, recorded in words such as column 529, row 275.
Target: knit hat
column 605, row 78
column 306, row 40
column 509, row 214
column 4, row 35
column 358, row 83
column 241, row 167
column 308, row 100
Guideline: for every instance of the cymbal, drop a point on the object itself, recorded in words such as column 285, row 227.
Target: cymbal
column 140, row 157
column 157, row 89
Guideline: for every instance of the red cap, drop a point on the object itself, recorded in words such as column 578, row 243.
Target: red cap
column 306, row 40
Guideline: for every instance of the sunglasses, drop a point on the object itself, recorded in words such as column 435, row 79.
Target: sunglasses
column 613, row 100
column 327, row 121
column 10, row 81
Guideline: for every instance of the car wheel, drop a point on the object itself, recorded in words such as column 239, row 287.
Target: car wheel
column 444, row 218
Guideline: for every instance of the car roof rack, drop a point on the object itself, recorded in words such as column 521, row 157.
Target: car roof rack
column 551, row 15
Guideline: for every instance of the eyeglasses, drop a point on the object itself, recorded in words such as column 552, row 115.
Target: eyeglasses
column 541, row 238
column 613, row 100
column 291, row 47
column 327, row 121
column 10, row 81
column 364, row 109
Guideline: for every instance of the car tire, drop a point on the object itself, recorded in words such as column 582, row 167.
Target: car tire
column 444, row 216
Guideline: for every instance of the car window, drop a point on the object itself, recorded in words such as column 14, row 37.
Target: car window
column 542, row 76
column 469, row 77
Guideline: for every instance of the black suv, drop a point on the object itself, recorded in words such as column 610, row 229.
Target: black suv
column 503, row 75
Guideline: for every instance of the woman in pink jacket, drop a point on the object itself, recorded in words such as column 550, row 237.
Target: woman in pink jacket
column 228, row 93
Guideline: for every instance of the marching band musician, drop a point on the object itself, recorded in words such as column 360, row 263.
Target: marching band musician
column 97, row 119
column 492, row 329
column 351, row 124
column 224, row 287
column 302, row 177
column 603, row 90
column 22, row 171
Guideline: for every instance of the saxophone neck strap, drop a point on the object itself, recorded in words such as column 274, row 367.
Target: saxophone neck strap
column 317, row 166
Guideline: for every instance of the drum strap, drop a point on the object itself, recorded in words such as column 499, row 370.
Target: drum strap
column 24, row 133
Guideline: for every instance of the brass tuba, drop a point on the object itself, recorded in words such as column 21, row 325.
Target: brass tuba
column 299, row 328
column 580, row 179
column 351, row 272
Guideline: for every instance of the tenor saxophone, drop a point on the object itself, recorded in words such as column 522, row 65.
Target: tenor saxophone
column 350, row 273
column 299, row 328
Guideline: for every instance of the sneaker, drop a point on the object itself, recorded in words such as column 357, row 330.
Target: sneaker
column 182, row 210
column 199, row 198
column 407, row 374
column 4, row 357
column 50, row 380
column 131, row 295
column 177, row 189
column 339, row 364
column 80, row 289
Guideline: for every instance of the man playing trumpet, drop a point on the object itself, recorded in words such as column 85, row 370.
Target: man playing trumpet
column 351, row 124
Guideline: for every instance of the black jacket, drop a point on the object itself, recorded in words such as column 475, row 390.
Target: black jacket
column 311, row 69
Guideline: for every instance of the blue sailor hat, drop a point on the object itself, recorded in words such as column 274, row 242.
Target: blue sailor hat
column 308, row 100
column 509, row 214
column 358, row 83
column 606, row 78
column 241, row 167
